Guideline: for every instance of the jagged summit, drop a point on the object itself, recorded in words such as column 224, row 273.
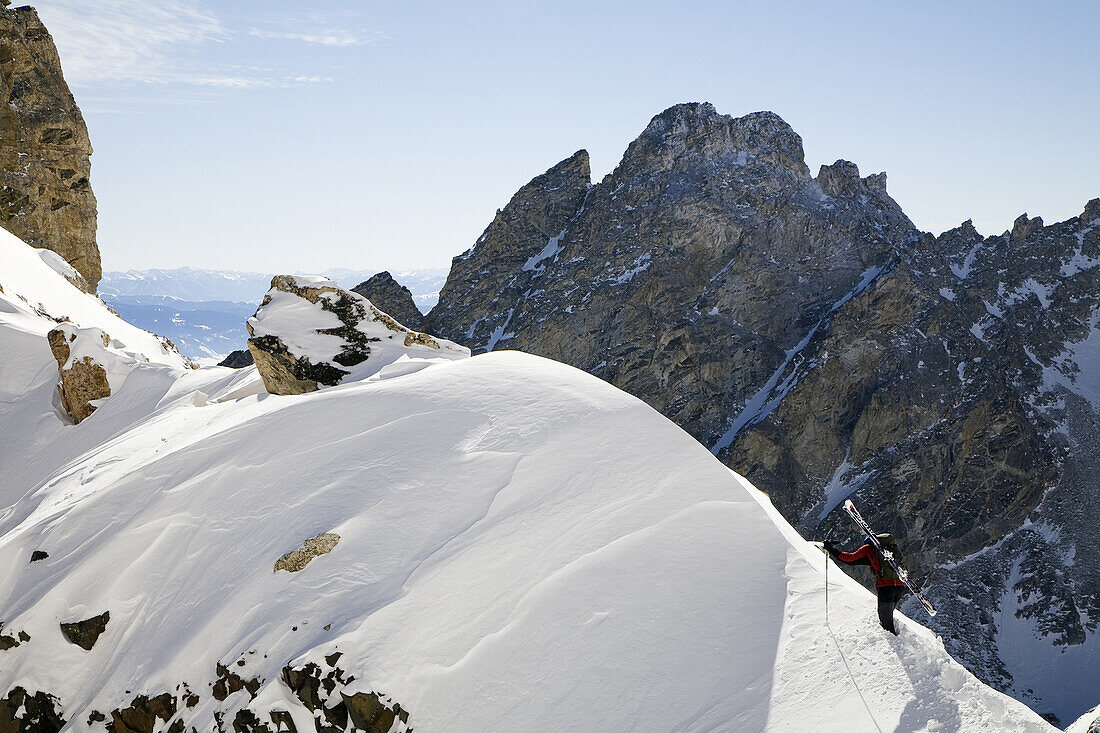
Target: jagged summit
column 696, row 129
column 574, row 168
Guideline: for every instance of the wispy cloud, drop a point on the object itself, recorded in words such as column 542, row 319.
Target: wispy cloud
column 177, row 42
column 129, row 40
column 327, row 37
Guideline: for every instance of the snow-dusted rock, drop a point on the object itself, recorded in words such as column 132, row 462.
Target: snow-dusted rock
column 80, row 364
column 310, row 333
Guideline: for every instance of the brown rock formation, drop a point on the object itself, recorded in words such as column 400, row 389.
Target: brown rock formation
column 45, row 195
column 83, row 380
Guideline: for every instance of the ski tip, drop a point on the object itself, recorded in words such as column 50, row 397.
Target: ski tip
column 848, row 504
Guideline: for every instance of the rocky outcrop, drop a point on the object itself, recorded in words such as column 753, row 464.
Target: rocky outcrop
column 308, row 333
column 393, row 298
column 86, row 633
column 143, row 713
column 7, row 641
column 323, row 691
column 803, row 329
column 295, row 560
column 83, row 378
column 373, row 713
column 22, row 712
column 45, row 196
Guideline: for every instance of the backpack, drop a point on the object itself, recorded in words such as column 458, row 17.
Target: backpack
column 891, row 545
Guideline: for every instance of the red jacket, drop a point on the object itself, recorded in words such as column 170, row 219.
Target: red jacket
column 868, row 555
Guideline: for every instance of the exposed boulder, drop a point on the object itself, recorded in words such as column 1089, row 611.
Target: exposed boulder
column 83, row 375
column 294, row 561
column 39, row 555
column 86, row 633
column 45, row 154
column 142, row 714
column 308, row 332
column 238, row 359
column 391, row 297
column 374, row 713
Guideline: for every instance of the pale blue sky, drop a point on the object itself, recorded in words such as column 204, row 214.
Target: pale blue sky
column 280, row 136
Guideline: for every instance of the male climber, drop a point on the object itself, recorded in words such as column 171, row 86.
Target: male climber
column 889, row 586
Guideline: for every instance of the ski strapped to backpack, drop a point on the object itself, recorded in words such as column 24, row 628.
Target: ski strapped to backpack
column 903, row 574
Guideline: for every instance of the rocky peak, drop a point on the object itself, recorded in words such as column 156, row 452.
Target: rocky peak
column 1024, row 227
column 841, row 176
column 1092, row 211
column 522, row 236
column 696, row 129
column 391, row 297
column 45, row 196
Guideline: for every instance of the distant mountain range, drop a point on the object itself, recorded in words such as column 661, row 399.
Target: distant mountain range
column 203, row 311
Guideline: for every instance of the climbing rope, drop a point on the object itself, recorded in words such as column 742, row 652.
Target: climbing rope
column 840, row 651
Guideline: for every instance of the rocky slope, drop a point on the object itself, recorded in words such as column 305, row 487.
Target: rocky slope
column 45, row 195
column 804, row 330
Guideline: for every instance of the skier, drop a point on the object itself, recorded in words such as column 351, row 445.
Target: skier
column 889, row 586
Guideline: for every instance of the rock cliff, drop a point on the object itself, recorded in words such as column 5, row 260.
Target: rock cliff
column 45, row 196
column 804, row 330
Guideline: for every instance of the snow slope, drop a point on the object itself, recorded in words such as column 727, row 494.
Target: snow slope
column 522, row 548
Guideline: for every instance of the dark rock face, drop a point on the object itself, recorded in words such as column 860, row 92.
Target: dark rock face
column 21, row 712
column 37, row 555
column 804, row 330
column 506, row 255
column 238, row 359
column 86, row 633
column 45, row 196
column 142, row 714
column 393, row 298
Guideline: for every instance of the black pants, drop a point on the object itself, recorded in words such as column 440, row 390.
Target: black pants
column 888, row 597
